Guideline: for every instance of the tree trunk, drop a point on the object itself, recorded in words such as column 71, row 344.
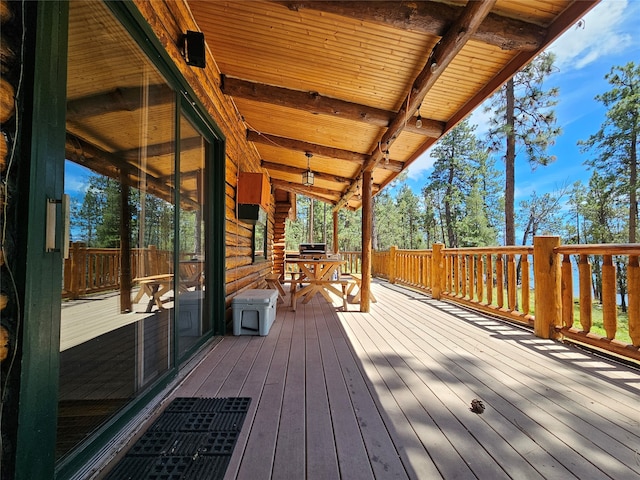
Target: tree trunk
column 509, row 161
column 633, row 187
column 447, row 210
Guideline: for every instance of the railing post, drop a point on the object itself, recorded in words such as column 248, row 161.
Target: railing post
column 437, row 269
column 392, row 264
column 633, row 279
column 547, row 282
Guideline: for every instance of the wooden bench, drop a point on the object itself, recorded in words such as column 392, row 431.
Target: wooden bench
column 273, row 282
column 154, row 286
column 325, row 287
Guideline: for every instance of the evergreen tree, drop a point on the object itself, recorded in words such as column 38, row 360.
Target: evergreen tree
column 616, row 143
column 460, row 168
column 523, row 115
column 409, row 216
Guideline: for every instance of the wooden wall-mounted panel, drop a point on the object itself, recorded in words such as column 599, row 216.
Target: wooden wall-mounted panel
column 254, row 189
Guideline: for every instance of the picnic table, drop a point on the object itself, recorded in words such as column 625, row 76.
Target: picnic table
column 317, row 276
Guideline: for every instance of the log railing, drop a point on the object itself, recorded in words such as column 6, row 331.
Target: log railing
column 93, row 270
column 502, row 280
column 611, row 259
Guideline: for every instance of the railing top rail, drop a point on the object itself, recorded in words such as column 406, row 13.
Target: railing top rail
column 512, row 249
column 600, row 249
column 414, row 252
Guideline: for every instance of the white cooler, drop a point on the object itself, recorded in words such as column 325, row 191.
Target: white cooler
column 254, row 311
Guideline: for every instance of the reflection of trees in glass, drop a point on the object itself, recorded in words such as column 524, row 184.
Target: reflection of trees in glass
column 97, row 218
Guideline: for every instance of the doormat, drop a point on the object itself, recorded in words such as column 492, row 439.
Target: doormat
column 192, row 439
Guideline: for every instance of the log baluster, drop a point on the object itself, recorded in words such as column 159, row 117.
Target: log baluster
column 480, row 277
column 567, row 292
column 471, row 263
column 500, row 280
column 456, row 274
column 586, row 302
column 464, row 275
column 526, row 290
column 633, row 279
column 609, row 310
column 489, row 278
column 512, row 287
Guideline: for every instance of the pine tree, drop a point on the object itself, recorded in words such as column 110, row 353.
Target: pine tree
column 523, row 115
column 616, row 143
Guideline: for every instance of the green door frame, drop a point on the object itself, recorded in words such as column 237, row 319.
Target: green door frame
column 42, row 133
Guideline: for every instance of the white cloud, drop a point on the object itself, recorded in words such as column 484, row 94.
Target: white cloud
column 420, row 165
column 599, row 34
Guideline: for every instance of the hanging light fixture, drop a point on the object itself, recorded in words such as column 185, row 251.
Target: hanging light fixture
column 307, row 177
column 419, row 119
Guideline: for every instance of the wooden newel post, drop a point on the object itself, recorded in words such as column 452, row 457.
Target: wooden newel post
column 547, row 282
column 437, row 267
column 393, row 251
column 367, row 231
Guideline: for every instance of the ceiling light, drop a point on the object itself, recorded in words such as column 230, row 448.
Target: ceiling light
column 307, row 177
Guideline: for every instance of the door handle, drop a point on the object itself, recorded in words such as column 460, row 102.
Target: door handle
column 51, row 226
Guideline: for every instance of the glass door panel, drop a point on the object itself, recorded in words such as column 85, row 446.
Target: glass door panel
column 118, row 286
column 193, row 321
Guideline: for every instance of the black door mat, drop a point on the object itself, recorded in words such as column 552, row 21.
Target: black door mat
column 192, row 439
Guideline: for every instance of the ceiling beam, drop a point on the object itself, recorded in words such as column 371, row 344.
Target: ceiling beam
column 278, row 167
column 433, row 18
column 311, row 192
column 441, row 56
column 313, row 102
column 111, row 165
column 119, row 100
column 320, row 150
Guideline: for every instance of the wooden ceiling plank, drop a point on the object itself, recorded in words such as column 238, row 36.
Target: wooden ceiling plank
column 441, row 56
column 315, row 103
column 433, row 18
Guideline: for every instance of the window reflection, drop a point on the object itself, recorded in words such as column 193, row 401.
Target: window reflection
column 118, row 287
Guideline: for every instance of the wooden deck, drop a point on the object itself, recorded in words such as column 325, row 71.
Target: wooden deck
column 387, row 395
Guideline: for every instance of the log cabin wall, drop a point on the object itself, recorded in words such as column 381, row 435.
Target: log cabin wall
column 10, row 44
column 169, row 20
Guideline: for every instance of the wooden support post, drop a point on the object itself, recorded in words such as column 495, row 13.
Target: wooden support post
column 393, row 252
column 437, row 267
column 336, row 245
column 367, row 232
column 547, row 279
column 125, row 246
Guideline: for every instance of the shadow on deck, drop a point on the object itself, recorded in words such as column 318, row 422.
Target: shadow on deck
column 387, row 394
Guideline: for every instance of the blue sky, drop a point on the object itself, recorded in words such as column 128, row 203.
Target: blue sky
column 609, row 37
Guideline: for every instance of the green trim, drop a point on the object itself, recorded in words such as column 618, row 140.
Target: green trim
column 44, row 127
column 216, row 221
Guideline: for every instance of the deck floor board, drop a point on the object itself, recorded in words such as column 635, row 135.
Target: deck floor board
column 387, row 395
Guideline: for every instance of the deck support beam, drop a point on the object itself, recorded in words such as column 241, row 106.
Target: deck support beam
column 367, row 231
